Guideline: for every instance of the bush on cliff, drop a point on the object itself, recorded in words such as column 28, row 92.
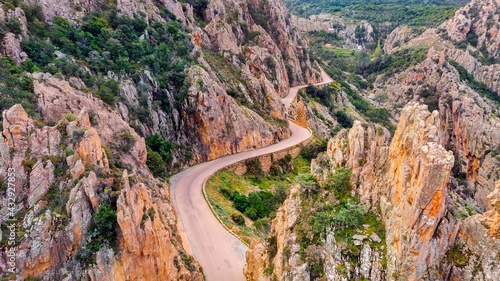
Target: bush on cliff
column 159, row 154
column 155, row 163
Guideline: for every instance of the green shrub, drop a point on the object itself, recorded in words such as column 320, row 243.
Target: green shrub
column 155, row 163
column 199, row 7
column 307, row 180
column 60, row 171
column 162, row 147
column 251, row 35
column 28, row 164
column 351, row 214
column 29, row 66
column 314, row 147
column 254, row 167
column 70, row 117
column 344, row 120
column 14, row 26
column 240, row 202
column 77, row 134
column 226, row 192
column 238, row 219
column 261, row 225
column 251, row 213
column 151, row 213
column 260, row 14
column 102, row 232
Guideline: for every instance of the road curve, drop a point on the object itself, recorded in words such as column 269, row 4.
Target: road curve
column 293, row 91
column 221, row 254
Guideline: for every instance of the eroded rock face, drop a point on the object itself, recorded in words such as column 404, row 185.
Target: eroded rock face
column 479, row 17
column 11, row 47
column 219, row 132
column 301, row 114
column 469, row 127
column 91, row 151
column 227, row 32
column 70, row 10
column 397, row 38
column 257, row 255
column 332, row 23
column 475, row 253
column 222, row 36
column 418, row 174
column 19, row 15
column 366, row 152
column 148, row 242
column 475, row 27
column 15, row 126
column 56, row 98
column 41, row 177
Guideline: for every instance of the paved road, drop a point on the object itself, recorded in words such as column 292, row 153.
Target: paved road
column 293, row 91
column 221, row 254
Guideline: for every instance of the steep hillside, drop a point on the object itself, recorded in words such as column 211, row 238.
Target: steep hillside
column 416, row 203
column 306, row 8
column 78, row 213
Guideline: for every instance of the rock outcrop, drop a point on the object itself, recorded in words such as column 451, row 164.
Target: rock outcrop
column 418, row 175
column 69, row 177
column 11, row 47
column 345, row 29
column 492, row 217
column 478, row 19
column 471, row 129
column 220, row 133
column 408, row 180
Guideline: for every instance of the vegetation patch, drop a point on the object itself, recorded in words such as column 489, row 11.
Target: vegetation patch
column 388, row 10
column 159, row 154
column 102, row 232
column 458, row 256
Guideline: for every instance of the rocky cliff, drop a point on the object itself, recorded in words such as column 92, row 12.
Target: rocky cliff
column 406, row 182
column 470, row 38
column 432, row 184
column 88, row 206
column 466, row 114
column 460, row 79
column 75, row 174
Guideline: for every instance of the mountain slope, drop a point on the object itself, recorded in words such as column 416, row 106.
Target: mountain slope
column 118, row 95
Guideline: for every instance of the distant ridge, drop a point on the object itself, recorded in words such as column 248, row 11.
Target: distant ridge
column 310, row 7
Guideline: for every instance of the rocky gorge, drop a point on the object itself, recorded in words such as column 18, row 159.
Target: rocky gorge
column 103, row 101
column 432, row 182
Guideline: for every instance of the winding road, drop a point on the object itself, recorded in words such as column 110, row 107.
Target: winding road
column 221, row 254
